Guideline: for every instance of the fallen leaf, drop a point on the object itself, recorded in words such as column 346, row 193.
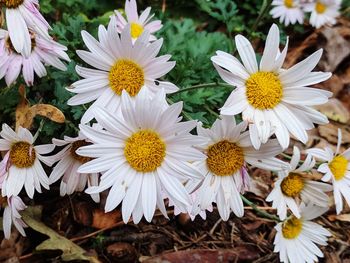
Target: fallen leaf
column 105, row 220
column 342, row 217
column 335, row 110
column 330, row 132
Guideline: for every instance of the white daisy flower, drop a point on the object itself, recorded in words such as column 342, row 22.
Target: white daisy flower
column 69, row 162
column 337, row 170
column 43, row 52
column 288, row 11
column 143, row 155
column 21, row 165
column 22, row 15
column 296, row 239
column 293, row 186
column 273, row 100
column 12, row 205
column 120, row 66
column 138, row 23
column 323, row 12
column 227, row 154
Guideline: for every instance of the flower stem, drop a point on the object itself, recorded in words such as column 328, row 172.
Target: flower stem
column 201, row 86
column 259, row 211
column 264, row 8
column 39, row 130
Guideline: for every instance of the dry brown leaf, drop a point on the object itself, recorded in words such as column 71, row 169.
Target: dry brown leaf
column 49, row 111
column 335, row 110
column 343, row 217
column 104, row 220
column 330, row 132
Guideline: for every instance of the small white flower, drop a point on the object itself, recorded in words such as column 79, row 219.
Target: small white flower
column 288, row 11
column 323, row 12
column 296, row 239
column 69, row 162
column 337, row 170
column 274, row 100
column 138, row 23
column 21, row 165
column 120, row 66
column 293, row 186
column 227, row 152
column 144, row 155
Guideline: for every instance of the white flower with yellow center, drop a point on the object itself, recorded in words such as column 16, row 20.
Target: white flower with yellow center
column 12, row 205
column 120, row 66
column 69, row 162
column 323, row 12
column 227, row 152
column 21, row 164
column 273, row 100
column 293, row 186
column 296, row 239
column 337, row 170
column 144, row 156
column 138, row 23
column 288, row 11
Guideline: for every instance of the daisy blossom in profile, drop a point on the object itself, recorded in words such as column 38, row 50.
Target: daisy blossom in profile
column 43, row 52
column 288, row 11
column 227, row 153
column 294, row 186
column 22, row 15
column 120, row 66
column 21, row 165
column 296, row 239
column 12, row 205
column 69, row 162
column 337, row 170
column 138, row 23
column 323, row 12
column 144, row 156
column 273, row 100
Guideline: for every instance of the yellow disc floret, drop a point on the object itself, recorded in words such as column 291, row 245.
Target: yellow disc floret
column 136, row 30
column 288, row 3
column 264, row 90
column 338, row 167
column 126, row 75
column 225, row 158
column 145, row 151
column 292, row 227
column 320, row 7
column 12, row 3
column 292, row 185
column 75, row 146
column 22, row 154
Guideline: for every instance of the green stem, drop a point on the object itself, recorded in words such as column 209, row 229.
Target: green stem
column 264, row 8
column 212, row 112
column 201, row 86
column 39, row 130
column 259, row 212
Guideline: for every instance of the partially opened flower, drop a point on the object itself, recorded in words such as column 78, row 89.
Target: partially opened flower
column 120, row 66
column 294, row 186
column 337, row 170
column 227, row 153
column 144, row 155
column 21, row 165
column 273, row 100
column 288, row 11
column 69, row 162
column 22, row 15
column 138, row 23
column 296, row 239
column 12, row 206
column 43, row 52
column 323, row 12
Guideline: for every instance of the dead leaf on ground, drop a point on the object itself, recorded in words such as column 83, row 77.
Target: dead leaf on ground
column 342, row 217
column 335, row 110
column 330, row 133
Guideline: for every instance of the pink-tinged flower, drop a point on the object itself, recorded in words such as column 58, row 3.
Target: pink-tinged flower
column 69, row 162
column 323, row 12
column 22, row 15
column 12, row 206
column 138, row 23
column 43, row 52
column 21, row 166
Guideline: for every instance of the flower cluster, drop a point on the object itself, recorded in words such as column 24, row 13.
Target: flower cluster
column 322, row 12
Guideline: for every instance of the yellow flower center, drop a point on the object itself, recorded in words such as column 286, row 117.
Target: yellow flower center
column 288, row 3
column 224, row 158
column 338, row 167
column 292, row 228
column 126, row 75
column 292, row 185
column 75, row 146
column 12, row 3
column 320, row 7
column 145, row 151
column 136, row 30
column 264, row 90
column 22, row 154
